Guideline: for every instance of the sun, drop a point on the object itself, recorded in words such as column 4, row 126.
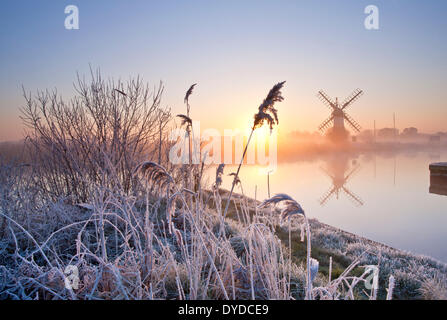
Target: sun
column 265, row 135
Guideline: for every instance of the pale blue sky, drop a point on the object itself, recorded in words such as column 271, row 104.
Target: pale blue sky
column 235, row 51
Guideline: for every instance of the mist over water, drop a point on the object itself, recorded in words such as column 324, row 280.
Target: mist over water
column 383, row 197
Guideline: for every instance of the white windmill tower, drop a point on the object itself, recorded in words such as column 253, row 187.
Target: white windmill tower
column 339, row 115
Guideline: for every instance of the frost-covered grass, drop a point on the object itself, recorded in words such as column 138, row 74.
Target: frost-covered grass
column 124, row 250
column 415, row 275
column 90, row 195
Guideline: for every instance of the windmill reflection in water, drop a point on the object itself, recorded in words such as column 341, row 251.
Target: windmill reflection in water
column 339, row 171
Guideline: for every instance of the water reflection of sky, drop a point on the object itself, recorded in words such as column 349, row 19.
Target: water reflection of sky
column 386, row 199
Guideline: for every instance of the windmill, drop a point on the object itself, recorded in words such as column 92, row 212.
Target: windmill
column 339, row 181
column 339, row 115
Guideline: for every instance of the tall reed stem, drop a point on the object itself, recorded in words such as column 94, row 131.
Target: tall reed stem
column 237, row 173
column 268, row 183
column 308, row 279
column 290, row 255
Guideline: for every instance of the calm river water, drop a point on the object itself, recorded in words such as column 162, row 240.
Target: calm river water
column 381, row 197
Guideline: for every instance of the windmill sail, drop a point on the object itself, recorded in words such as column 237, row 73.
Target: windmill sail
column 353, row 197
column 352, row 173
column 327, row 195
column 353, row 97
column 323, row 126
column 352, row 122
column 325, row 99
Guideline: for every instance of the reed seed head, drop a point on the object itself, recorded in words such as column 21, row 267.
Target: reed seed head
column 155, row 174
column 236, row 178
column 219, row 173
column 266, row 111
column 291, row 207
column 185, row 120
column 189, row 92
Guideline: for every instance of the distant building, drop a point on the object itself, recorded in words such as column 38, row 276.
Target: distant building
column 442, row 135
column 411, row 132
column 434, row 138
column 366, row 135
column 387, row 133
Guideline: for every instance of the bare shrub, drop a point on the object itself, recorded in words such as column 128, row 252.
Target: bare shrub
column 96, row 138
